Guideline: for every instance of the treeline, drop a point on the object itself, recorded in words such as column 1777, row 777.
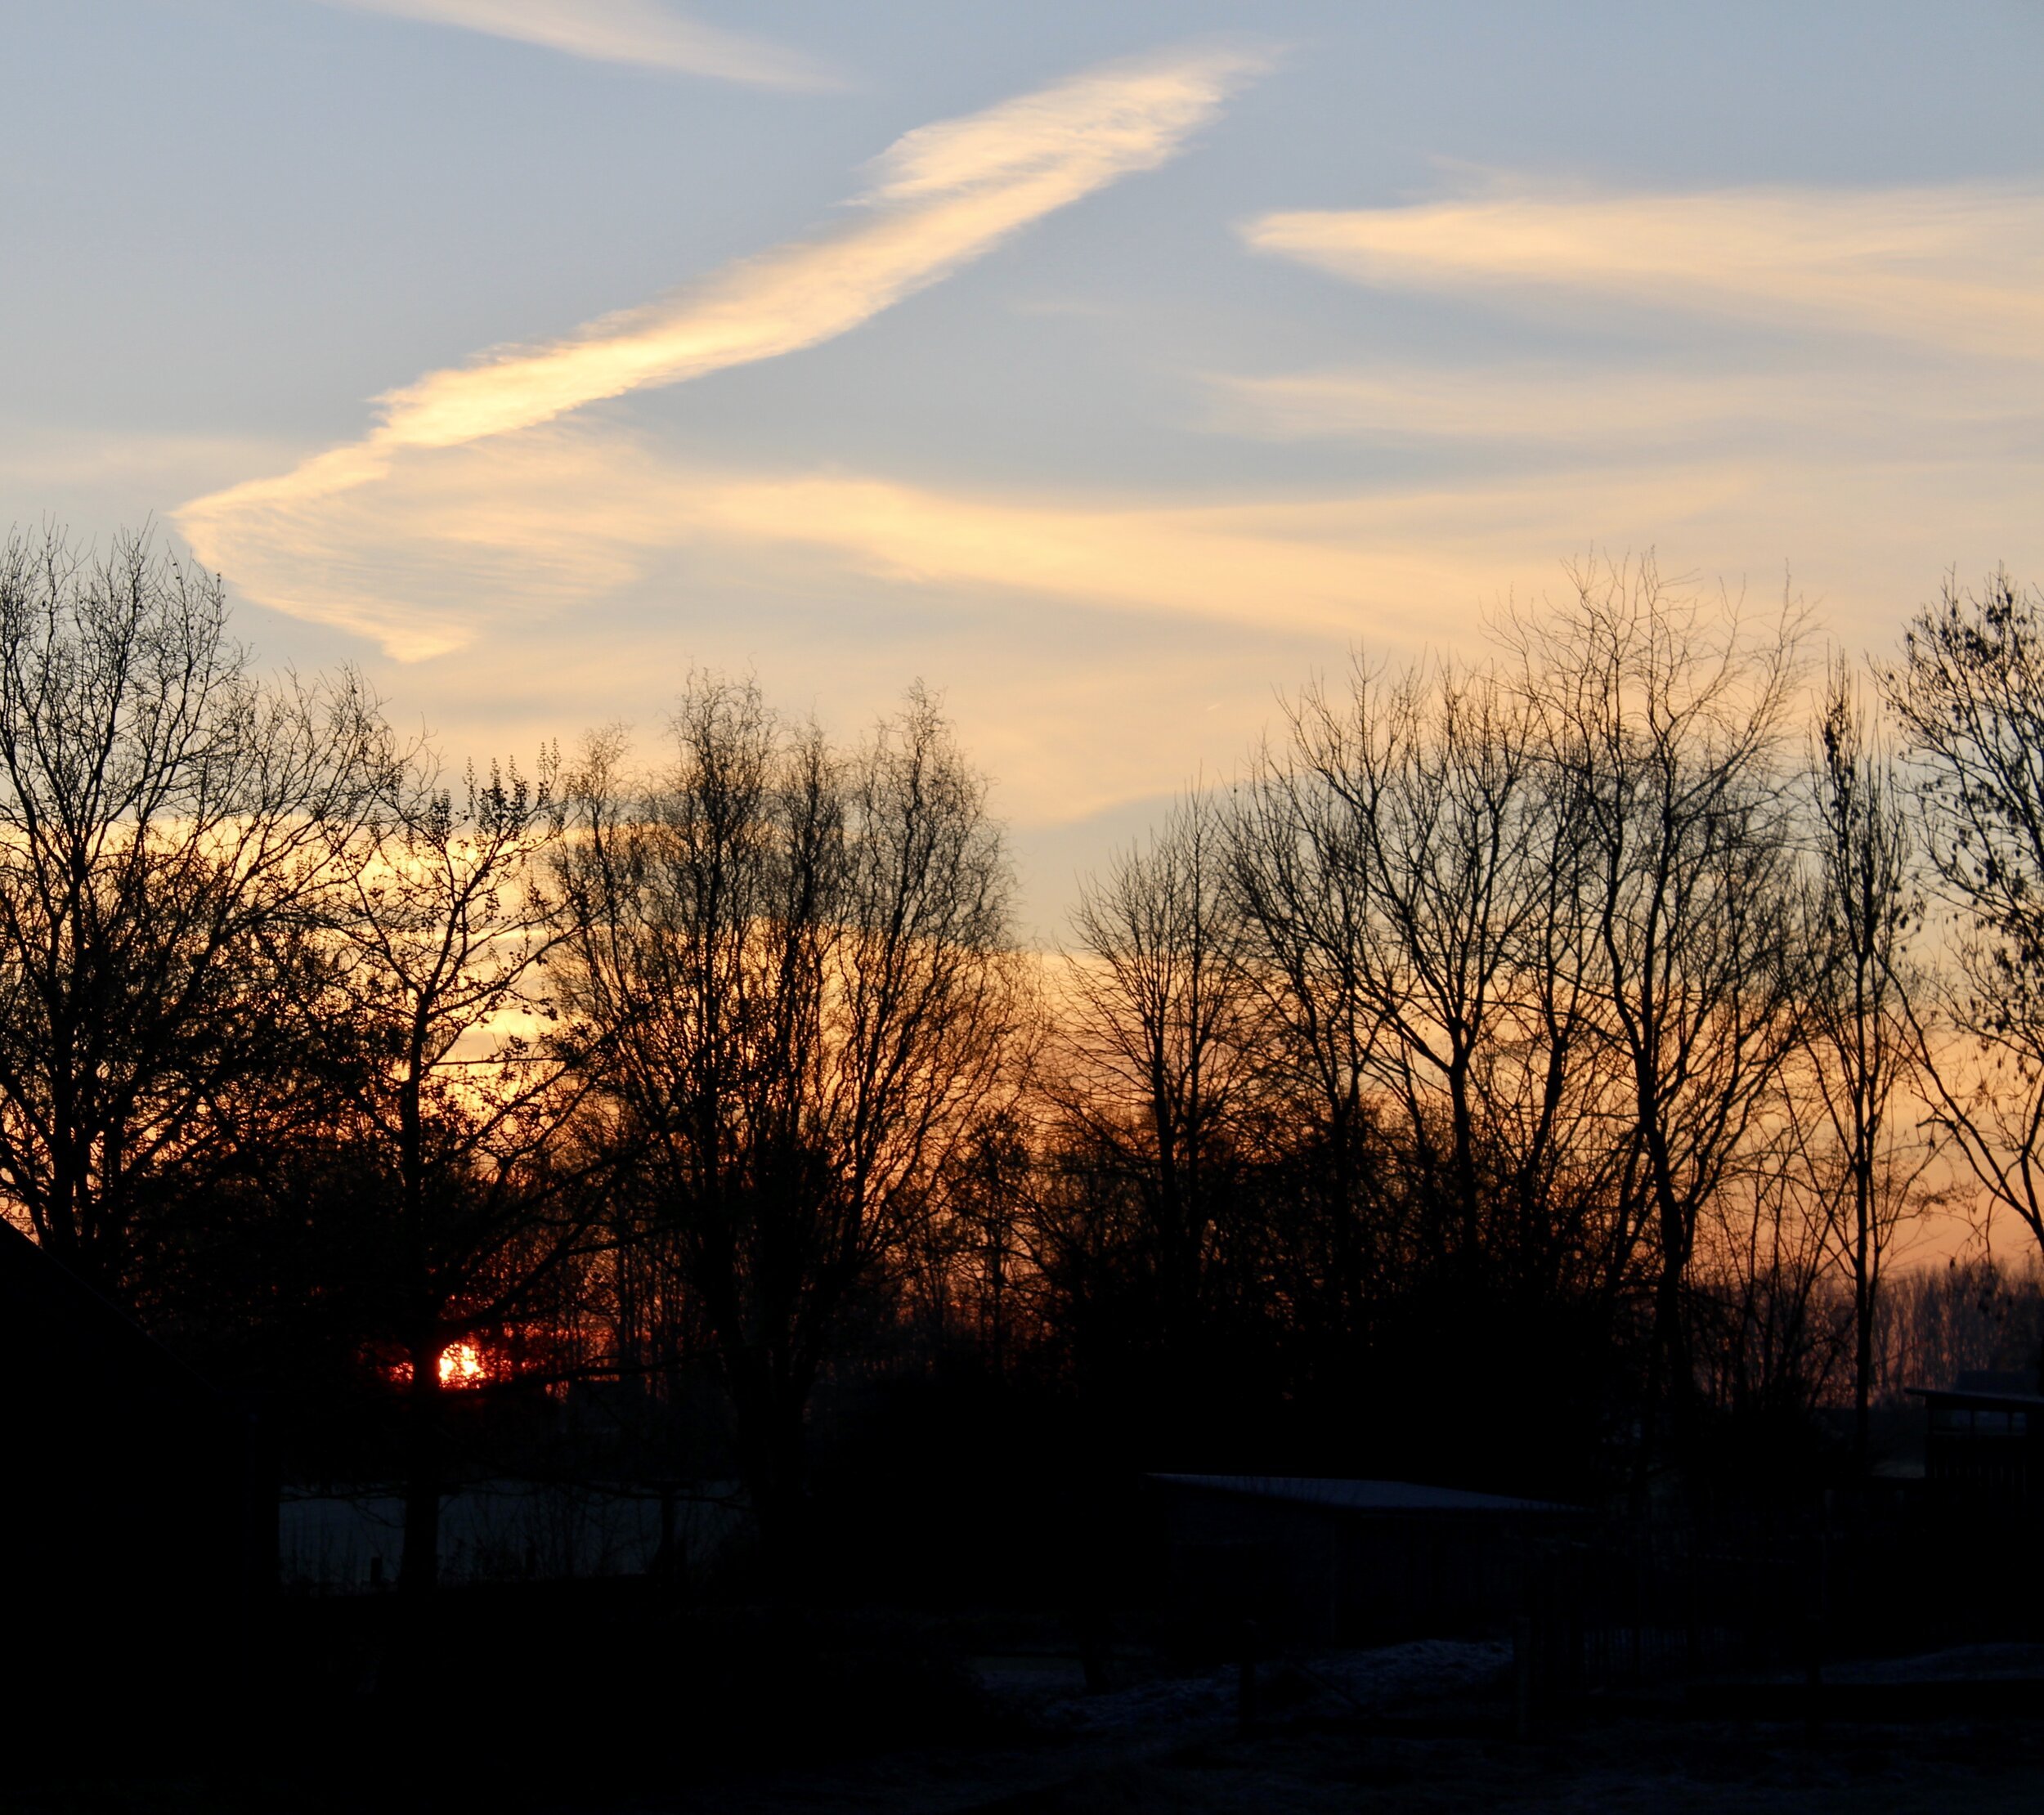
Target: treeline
column 1526, row 1072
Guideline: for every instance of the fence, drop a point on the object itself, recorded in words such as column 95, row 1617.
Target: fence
column 1626, row 1605
column 1629, row 1605
column 506, row 1530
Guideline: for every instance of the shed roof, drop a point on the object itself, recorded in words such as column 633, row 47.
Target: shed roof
column 1958, row 1398
column 1360, row 1496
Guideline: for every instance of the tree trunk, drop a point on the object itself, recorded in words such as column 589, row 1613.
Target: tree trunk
column 770, row 1450
column 419, row 1571
column 1862, row 1361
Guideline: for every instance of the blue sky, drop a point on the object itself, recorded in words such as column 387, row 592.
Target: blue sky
column 1107, row 366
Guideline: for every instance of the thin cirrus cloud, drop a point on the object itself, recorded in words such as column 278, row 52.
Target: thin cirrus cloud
column 531, row 524
column 941, row 196
column 1547, row 404
column 1208, row 601
column 1592, row 406
column 1956, row 269
column 637, row 32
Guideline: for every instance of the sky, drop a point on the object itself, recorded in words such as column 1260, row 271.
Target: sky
column 1111, row 369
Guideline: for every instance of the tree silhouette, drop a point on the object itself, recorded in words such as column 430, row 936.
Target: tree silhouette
column 795, row 973
column 456, row 1099
column 169, row 828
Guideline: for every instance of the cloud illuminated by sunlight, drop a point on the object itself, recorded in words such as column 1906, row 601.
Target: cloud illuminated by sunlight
column 525, row 526
column 1085, row 639
column 1590, row 405
column 948, row 193
column 1959, row 268
column 638, row 32
column 943, row 195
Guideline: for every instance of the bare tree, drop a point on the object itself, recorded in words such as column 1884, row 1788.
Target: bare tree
column 168, row 825
column 967, row 1270
column 1431, row 777
column 1412, row 879
column 1306, row 902
column 1972, row 1315
column 1968, row 694
column 457, row 1099
column 1768, row 1340
column 1160, row 1051
column 1662, row 717
column 1867, row 1161
column 796, row 976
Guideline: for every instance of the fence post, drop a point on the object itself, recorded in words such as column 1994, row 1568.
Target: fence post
column 1578, row 1625
column 1523, row 1677
column 1691, row 1638
column 1634, row 1661
column 1813, row 1633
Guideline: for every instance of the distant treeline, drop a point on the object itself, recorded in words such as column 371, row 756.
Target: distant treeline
column 1524, row 1073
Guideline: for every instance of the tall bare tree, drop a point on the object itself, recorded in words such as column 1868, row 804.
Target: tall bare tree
column 1306, row 903
column 1160, row 1052
column 1968, row 694
column 457, row 1099
column 796, row 974
column 1412, row 880
column 1868, row 1161
column 168, row 826
column 1438, row 774
column 1662, row 718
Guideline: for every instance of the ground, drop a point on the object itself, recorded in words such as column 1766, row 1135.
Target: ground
column 1420, row 1729
column 1428, row 1729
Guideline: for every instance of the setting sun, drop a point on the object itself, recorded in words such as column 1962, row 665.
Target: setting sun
column 461, row 1365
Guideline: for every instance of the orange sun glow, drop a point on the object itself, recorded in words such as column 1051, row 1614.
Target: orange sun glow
column 460, row 1366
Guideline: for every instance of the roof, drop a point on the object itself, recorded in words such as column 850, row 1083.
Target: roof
column 1978, row 1401
column 1360, row 1496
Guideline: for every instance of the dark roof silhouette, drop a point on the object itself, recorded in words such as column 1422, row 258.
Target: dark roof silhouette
column 1989, row 1399
column 1360, row 1496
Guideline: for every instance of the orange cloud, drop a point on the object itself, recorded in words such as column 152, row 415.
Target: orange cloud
column 616, row 31
column 447, row 541
column 1592, row 406
column 1959, row 268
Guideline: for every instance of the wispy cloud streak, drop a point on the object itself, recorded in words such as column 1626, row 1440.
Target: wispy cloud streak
column 1589, row 405
column 523, row 527
column 940, row 196
column 1959, row 268
column 637, row 32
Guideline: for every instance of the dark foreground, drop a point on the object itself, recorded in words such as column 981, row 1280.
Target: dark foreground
column 1635, row 1765
column 1426, row 1727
